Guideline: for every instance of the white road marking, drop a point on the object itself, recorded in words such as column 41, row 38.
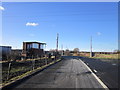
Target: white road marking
column 104, row 86
column 114, row 64
column 94, row 70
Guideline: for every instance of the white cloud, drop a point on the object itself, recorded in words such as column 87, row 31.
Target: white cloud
column 31, row 24
column 98, row 33
column 2, row 8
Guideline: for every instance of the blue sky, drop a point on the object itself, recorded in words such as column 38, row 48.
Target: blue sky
column 75, row 23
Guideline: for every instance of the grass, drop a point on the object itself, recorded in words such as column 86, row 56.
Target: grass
column 25, row 60
column 99, row 56
column 24, row 74
column 18, row 69
column 106, row 56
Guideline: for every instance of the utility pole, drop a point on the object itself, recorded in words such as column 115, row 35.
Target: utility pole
column 62, row 49
column 56, row 46
column 91, row 47
column 57, row 42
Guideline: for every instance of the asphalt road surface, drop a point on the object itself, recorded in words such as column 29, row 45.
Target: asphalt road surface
column 107, row 70
column 68, row 73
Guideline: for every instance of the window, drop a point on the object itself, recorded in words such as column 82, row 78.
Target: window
column 35, row 45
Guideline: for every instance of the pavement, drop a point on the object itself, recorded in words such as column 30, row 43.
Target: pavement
column 68, row 73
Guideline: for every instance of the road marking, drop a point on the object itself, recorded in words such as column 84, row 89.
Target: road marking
column 94, row 70
column 104, row 86
column 114, row 64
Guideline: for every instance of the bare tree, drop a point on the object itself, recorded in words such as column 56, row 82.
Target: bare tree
column 15, row 56
column 117, row 51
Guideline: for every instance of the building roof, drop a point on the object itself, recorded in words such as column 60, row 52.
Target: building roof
column 6, row 46
column 35, row 42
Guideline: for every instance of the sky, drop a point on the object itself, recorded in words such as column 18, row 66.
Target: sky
column 60, row 0
column 75, row 22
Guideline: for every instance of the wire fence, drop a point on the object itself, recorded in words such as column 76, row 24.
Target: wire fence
column 14, row 68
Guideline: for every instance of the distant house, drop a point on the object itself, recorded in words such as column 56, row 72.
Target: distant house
column 33, row 49
column 5, row 51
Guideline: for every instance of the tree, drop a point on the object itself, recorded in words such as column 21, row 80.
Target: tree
column 117, row 51
column 15, row 56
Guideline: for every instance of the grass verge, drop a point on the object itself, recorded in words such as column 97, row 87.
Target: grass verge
column 12, row 80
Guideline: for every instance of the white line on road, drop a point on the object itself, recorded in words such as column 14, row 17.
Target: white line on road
column 114, row 64
column 87, row 63
column 94, row 70
column 104, row 86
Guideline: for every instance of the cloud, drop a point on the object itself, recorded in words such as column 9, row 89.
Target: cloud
column 2, row 8
column 31, row 24
column 98, row 33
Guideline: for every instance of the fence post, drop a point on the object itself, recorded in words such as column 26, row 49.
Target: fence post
column 9, row 68
column 45, row 60
column 33, row 61
column 55, row 59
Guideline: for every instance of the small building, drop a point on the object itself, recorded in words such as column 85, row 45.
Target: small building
column 33, row 49
column 5, row 52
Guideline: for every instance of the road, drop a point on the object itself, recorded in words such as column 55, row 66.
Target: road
column 106, row 69
column 68, row 73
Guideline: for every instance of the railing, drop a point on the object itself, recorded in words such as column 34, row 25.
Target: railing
column 13, row 69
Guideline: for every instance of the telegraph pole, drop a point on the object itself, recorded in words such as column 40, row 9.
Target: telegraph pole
column 62, row 49
column 57, row 42
column 91, row 47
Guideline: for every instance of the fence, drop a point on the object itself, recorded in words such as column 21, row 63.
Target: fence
column 14, row 68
